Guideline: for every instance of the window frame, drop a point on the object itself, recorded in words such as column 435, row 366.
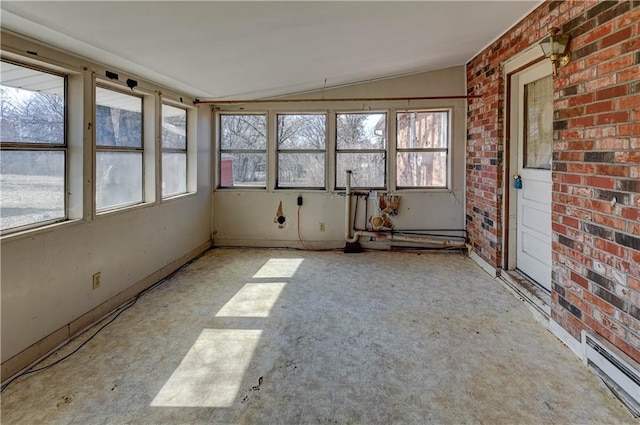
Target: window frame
column 446, row 150
column 279, row 150
column 184, row 151
column 122, row 149
column 384, row 150
column 44, row 147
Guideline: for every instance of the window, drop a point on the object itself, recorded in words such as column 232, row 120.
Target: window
column 422, row 149
column 174, row 151
column 301, row 150
column 243, row 150
column 119, row 148
column 360, row 147
column 33, row 147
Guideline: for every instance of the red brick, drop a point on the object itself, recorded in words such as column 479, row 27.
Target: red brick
column 610, row 247
column 633, row 157
column 632, row 352
column 579, row 302
column 609, row 92
column 612, row 144
column 598, row 107
column 611, row 170
column 631, row 17
column 630, row 213
column 629, row 102
column 630, row 74
column 571, row 112
column 571, row 222
column 581, row 122
column 558, row 228
column 632, row 45
column 602, row 182
column 598, row 328
column 571, row 178
column 607, row 221
column 597, row 33
column 616, row 37
column 585, row 98
column 579, row 280
column 612, row 118
column 600, row 57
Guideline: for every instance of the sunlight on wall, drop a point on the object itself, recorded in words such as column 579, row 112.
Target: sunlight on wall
column 253, row 300
column 279, row 267
column 211, row 373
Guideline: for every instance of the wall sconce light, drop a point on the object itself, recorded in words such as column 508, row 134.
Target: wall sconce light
column 555, row 49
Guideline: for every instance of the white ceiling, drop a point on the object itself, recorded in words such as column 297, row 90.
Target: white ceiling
column 212, row 49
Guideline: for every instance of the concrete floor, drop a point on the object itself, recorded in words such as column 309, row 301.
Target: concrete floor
column 289, row 337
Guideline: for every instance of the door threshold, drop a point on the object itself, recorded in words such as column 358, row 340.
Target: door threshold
column 535, row 297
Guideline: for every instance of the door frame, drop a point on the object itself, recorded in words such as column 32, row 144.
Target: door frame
column 518, row 63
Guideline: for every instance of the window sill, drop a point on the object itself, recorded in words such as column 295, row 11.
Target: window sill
column 36, row 231
column 178, row 197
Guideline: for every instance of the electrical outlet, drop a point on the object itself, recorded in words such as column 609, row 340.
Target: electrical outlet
column 322, row 227
column 96, row 280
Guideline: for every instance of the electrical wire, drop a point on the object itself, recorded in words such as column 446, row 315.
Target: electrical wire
column 124, row 307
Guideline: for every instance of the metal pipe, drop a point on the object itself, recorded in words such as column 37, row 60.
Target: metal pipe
column 351, row 99
column 347, row 213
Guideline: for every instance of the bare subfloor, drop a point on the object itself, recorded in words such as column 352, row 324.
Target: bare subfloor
column 246, row 336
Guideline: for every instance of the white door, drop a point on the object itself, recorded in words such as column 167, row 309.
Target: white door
column 532, row 108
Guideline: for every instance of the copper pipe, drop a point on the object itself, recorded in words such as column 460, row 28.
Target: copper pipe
column 353, row 99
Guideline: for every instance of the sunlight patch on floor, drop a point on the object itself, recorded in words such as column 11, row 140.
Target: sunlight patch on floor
column 279, row 268
column 253, row 300
column 211, row 373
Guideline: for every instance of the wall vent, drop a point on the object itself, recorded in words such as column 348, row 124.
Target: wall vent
column 618, row 371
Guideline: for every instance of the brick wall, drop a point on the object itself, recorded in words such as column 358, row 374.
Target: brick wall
column 596, row 170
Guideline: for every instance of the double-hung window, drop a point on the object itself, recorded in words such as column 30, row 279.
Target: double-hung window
column 360, row 147
column 174, row 151
column 302, row 141
column 33, row 147
column 119, row 149
column 243, row 150
column 422, row 150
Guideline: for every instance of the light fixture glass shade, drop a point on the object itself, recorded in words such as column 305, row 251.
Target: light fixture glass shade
column 554, row 43
column 545, row 44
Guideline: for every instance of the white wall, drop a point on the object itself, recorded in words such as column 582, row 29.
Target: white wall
column 246, row 216
column 46, row 276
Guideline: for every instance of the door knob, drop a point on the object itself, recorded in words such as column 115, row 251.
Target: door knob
column 517, row 181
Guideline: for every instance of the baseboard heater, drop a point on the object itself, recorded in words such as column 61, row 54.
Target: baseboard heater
column 617, row 370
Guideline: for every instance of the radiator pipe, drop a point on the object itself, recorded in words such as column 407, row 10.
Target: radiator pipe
column 382, row 235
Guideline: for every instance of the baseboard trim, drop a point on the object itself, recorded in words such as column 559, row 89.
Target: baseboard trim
column 493, row 271
column 52, row 342
column 567, row 339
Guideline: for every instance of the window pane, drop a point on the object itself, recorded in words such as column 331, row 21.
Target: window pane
column 422, row 169
column 118, row 119
column 301, row 170
column 118, row 179
column 174, row 174
column 32, row 187
column 302, row 131
column 361, row 131
column 32, row 104
column 243, row 132
column 174, row 127
column 243, row 169
column 422, row 130
column 538, row 138
column 368, row 169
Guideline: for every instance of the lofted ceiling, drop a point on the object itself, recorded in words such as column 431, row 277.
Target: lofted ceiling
column 250, row 50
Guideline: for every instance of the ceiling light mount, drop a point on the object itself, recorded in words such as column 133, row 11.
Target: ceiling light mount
column 555, row 48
